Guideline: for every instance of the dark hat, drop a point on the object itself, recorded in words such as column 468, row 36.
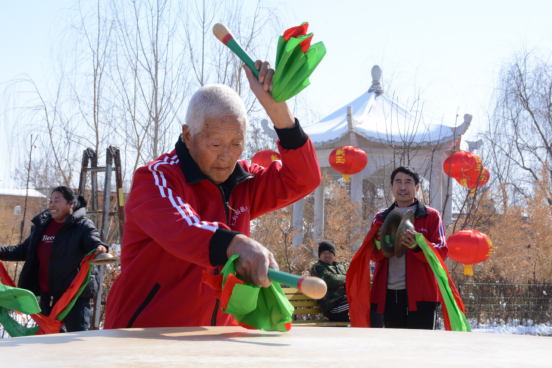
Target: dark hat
column 326, row 245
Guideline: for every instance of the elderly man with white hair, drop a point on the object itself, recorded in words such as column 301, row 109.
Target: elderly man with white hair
column 190, row 210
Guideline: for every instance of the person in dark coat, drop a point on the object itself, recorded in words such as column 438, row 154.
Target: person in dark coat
column 61, row 238
column 334, row 305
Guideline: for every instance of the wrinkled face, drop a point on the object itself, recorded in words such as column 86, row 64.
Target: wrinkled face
column 404, row 189
column 59, row 208
column 327, row 257
column 218, row 146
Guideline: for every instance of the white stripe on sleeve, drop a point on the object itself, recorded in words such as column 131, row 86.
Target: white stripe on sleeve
column 183, row 208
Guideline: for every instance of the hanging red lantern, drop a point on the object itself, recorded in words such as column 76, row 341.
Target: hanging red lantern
column 348, row 160
column 265, row 158
column 469, row 247
column 476, row 180
column 462, row 164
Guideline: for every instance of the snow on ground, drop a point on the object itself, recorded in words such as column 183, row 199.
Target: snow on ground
column 541, row 329
column 516, row 327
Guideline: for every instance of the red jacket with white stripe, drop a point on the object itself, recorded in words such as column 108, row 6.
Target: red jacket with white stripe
column 421, row 285
column 179, row 224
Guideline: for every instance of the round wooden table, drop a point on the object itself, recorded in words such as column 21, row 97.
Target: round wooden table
column 301, row 347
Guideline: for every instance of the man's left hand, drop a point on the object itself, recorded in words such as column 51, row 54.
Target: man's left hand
column 279, row 113
column 100, row 249
column 408, row 238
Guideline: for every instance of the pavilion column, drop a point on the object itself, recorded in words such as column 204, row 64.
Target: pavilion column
column 319, row 213
column 356, row 187
column 447, row 211
column 298, row 221
column 436, row 184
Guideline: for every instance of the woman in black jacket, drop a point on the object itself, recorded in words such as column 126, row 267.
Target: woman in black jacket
column 61, row 238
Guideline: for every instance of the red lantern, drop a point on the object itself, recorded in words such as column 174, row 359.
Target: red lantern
column 469, row 247
column 475, row 180
column 462, row 164
column 265, row 158
column 348, row 160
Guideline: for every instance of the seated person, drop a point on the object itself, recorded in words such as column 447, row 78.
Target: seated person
column 334, row 305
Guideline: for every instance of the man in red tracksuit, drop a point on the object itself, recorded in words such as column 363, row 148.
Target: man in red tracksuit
column 405, row 289
column 190, row 210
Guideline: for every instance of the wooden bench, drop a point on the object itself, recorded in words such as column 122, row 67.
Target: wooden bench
column 304, row 305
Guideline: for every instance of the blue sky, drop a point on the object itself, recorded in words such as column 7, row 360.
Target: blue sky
column 451, row 51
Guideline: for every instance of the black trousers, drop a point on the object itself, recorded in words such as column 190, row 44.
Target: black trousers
column 339, row 313
column 78, row 319
column 397, row 315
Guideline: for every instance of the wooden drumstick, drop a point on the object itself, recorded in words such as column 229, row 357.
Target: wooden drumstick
column 313, row 287
column 223, row 34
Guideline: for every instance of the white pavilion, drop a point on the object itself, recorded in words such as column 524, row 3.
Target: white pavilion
column 391, row 136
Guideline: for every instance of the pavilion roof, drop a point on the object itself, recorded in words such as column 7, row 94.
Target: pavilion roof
column 383, row 120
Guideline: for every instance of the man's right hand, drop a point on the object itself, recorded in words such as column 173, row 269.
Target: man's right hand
column 252, row 265
column 378, row 234
column 279, row 113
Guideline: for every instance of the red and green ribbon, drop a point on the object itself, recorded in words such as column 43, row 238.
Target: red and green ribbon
column 252, row 307
column 24, row 301
column 453, row 307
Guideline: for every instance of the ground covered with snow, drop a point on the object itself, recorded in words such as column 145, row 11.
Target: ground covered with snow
column 525, row 327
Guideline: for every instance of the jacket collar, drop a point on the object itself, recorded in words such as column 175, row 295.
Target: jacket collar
column 327, row 264
column 421, row 210
column 44, row 217
column 193, row 174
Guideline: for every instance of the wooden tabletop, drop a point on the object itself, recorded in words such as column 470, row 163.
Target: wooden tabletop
column 301, row 347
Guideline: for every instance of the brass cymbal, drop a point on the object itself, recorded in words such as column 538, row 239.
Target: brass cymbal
column 407, row 223
column 102, row 259
column 390, row 225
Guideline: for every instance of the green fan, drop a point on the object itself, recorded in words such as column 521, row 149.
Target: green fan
column 296, row 59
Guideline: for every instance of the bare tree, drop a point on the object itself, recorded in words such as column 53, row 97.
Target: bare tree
column 151, row 73
column 520, row 122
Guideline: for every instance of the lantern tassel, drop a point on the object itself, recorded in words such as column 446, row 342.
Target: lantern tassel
column 468, row 270
column 346, row 178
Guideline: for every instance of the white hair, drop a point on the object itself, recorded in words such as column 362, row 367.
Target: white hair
column 211, row 101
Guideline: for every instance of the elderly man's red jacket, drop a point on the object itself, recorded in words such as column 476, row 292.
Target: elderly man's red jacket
column 179, row 224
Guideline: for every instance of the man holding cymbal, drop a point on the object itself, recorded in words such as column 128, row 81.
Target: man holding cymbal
column 404, row 287
column 190, row 210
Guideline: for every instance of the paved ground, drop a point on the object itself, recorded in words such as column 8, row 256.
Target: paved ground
column 301, row 347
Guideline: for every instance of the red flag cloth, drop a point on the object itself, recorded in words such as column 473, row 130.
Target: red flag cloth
column 305, row 44
column 50, row 324
column 357, row 282
column 296, row 31
column 6, row 279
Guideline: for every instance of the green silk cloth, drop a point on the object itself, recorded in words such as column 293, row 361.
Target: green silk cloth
column 20, row 300
column 453, row 314
column 296, row 60
column 254, row 307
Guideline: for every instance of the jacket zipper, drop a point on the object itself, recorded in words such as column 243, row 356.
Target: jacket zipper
column 214, row 316
column 227, row 213
column 406, row 279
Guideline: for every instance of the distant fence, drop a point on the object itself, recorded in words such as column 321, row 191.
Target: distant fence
column 490, row 305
